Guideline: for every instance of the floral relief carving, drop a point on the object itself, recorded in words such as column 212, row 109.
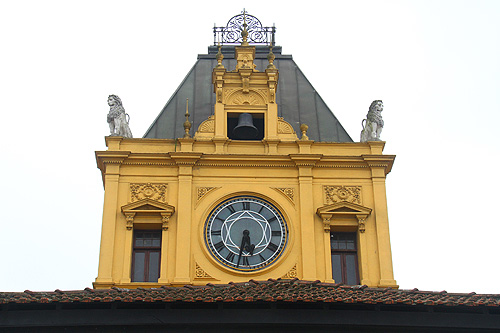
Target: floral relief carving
column 289, row 192
column 292, row 273
column 284, row 127
column 342, row 193
column 201, row 191
column 139, row 191
column 200, row 273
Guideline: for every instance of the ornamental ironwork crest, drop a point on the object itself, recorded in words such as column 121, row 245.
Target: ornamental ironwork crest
column 231, row 33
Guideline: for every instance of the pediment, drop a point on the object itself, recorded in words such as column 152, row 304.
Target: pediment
column 148, row 206
column 343, row 208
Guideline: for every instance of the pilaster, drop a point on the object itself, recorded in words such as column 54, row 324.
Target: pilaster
column 109, row 162
column 379, row 167
column 305, row 164
column 185, row 163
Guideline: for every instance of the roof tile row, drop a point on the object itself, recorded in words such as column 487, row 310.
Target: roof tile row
column 262, row 291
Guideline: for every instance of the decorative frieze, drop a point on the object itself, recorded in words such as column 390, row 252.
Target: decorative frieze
column 139, row 191
column 335, row 194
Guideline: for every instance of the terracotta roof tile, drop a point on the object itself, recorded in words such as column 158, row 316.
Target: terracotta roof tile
column 253, row 291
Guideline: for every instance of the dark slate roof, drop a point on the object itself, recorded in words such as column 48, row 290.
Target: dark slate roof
column 259, row 291
column 298, row 102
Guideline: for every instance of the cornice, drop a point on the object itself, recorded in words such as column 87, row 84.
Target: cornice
column 185, row 158
column 110, row 157
column 305, row 160
column 380, row 161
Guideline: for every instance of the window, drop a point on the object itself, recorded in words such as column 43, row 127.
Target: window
column 146, row 256
column 344, row 257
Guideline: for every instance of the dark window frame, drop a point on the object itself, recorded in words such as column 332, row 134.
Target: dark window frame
column 344, row 253
column 147, row 250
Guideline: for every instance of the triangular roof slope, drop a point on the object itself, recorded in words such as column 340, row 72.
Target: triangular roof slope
column 298, row 102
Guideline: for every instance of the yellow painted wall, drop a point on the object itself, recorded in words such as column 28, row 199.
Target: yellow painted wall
column 203, row 171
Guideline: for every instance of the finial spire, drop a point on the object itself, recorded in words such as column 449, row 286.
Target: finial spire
column 187, row 123
column 303, row 129
column 219, row 56
column 271, row 57
column 244, row 32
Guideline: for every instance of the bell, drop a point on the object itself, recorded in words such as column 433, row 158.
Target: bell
column 245, row 129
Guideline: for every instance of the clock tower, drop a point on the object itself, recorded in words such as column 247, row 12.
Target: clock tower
column 269, row 185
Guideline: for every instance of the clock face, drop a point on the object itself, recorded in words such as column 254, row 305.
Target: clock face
column 245, row 233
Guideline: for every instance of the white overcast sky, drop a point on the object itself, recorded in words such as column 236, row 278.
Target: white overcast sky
column 435, row 64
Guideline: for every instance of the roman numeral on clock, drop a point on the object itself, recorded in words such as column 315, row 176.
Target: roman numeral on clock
column 273, row 233
column 272, row 219
column 230, row 256
column 219, row 246
column 231, row 209
column 273, row 247
column 246, row 206
column 217, row 232
column 245, row 261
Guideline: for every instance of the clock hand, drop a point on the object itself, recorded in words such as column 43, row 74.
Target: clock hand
column 244, row 240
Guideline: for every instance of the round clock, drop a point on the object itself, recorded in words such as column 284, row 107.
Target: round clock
column 245, row 233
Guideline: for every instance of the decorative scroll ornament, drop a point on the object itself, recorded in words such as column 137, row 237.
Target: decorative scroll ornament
column 231, row 33
column 201, row 191
column 361, row 223
column 342, row 193
column 292, row 273
column 139, row 191
column 289, row 192
column 200, row 273
column 129, row 218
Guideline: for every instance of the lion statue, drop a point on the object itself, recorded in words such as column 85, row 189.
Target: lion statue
column 373, row 124
column 117, row 118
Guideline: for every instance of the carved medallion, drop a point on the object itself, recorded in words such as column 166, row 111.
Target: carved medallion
column 342, row 193
column 139, row 191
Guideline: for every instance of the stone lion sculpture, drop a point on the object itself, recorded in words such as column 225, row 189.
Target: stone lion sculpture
column 373, row 124
column 117, row 118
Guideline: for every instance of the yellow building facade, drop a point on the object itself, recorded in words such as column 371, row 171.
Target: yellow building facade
column 212, row 208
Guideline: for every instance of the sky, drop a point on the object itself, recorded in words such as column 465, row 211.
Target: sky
column 435, row 64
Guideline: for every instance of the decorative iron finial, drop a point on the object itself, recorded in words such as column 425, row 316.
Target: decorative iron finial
column 232, row 32
column 219, row 57
column 271, row 57
column 244, row 32
column 187, row 123
column 303, row 129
